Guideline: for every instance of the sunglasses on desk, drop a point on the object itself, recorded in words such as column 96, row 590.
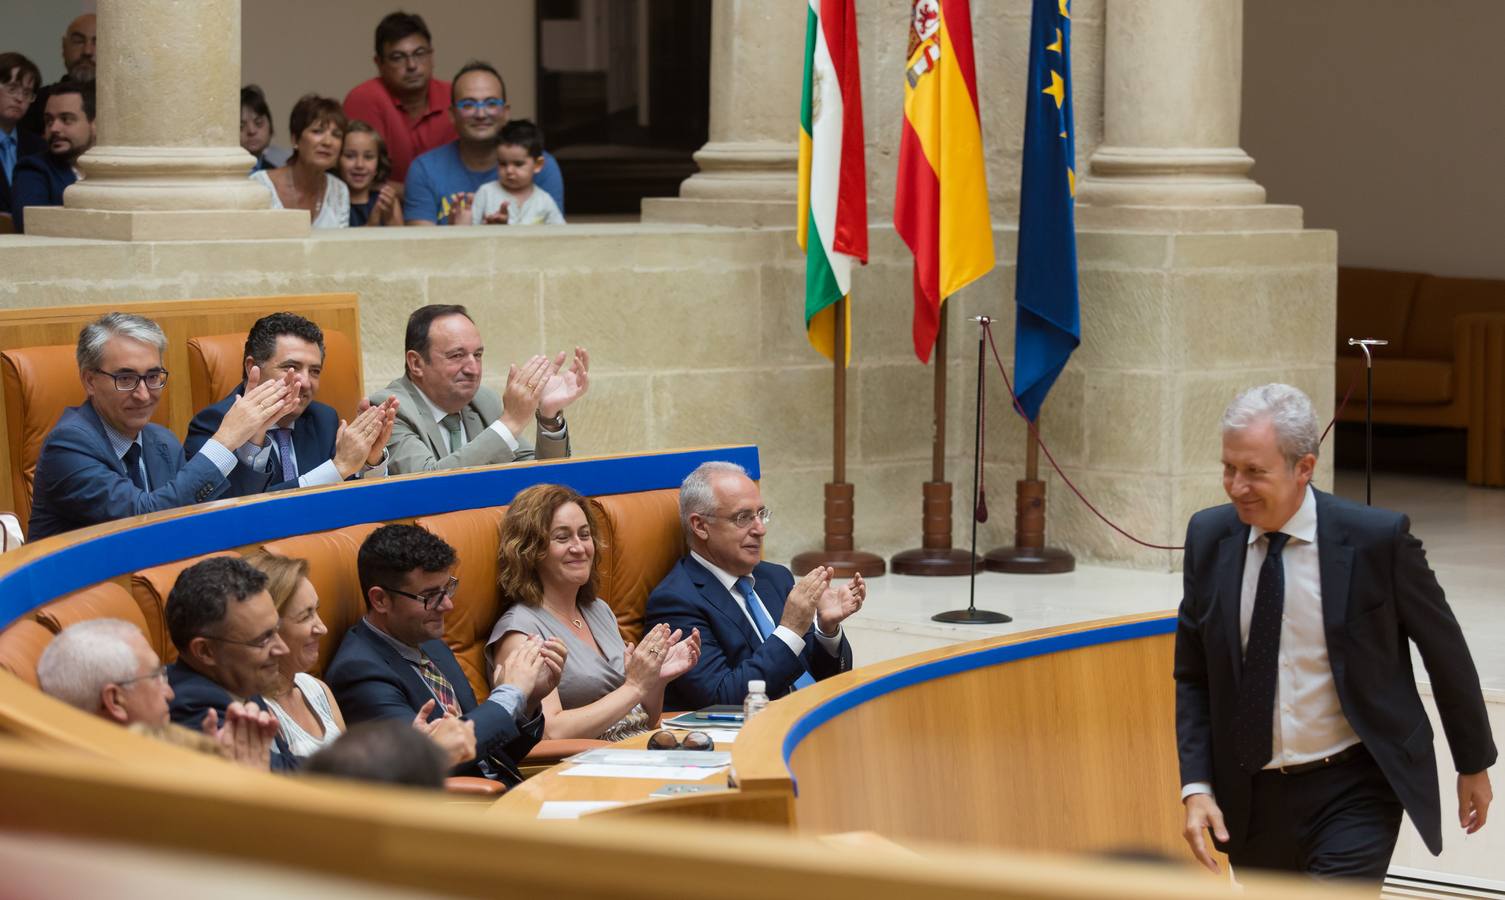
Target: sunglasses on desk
column 668, row 740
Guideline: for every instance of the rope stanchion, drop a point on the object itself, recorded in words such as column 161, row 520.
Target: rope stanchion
column 1065, row 479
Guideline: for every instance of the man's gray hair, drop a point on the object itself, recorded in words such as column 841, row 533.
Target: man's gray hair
column 85, row 657
column 92, row 340
column 695, row 493
column 1287, row 409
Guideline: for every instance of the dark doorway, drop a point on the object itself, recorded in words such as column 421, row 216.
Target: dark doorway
column 623, row 97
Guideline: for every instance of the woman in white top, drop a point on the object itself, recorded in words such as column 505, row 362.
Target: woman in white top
column 318, row 126
column 303, row 704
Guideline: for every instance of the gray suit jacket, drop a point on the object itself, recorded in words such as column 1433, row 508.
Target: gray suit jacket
column 419, row 444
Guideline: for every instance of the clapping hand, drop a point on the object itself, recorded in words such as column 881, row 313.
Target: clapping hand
column 799, row 608
column 247, row 734
column 258, row 407
column 454, row 735
column 565, row 386
column 353, row 442
column 838, row 602
column 681, row 656
column 524, row 390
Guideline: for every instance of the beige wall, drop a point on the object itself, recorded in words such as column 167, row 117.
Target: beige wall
column 293, row 47
column 1382, row 119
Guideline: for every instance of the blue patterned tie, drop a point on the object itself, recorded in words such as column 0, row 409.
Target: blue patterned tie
column 1254, row 714
column 765, row 627
column 284, row 438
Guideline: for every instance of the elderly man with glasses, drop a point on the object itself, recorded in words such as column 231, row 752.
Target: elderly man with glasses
column 394, row 664
column 224, row 624
column 105, row 459
column 756, row 622
column 441, row 184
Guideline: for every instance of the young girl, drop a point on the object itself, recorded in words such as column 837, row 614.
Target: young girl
column 364, row 167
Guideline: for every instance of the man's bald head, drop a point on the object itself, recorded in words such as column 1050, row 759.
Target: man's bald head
column 78, row 48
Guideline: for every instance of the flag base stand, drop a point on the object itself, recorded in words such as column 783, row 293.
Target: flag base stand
column 838, row 554
column 936, row 556
column 1029, row 555
column 972, row 617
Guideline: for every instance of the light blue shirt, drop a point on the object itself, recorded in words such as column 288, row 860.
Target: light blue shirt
column 223, row 459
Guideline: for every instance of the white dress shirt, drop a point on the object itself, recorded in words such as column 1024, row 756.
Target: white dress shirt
column 795, row 642
column 1309, row 722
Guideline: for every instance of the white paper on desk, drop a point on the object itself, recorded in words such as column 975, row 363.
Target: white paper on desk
column 572, row 809
column 721, row 735
column 654, row 759
column 661, row 773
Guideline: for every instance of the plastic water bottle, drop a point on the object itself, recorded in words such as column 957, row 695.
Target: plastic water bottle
column 757, row 698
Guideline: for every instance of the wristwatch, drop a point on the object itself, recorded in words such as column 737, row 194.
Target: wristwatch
column 554, row 424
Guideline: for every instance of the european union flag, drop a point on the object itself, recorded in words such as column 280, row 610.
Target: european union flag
column 1048, row 326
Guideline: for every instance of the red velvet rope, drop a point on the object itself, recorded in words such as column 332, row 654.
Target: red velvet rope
column 987, row 327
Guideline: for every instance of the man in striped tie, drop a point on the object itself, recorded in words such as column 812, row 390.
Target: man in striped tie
column 755, row 620
column 394, row 662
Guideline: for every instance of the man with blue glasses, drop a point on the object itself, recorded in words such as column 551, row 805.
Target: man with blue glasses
column 442, row 182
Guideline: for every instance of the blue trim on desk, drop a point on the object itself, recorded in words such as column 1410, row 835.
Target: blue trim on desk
column 953, row 665
column 290, row 513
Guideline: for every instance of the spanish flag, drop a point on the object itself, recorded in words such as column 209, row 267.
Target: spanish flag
column 833, row 176
column 941, row 206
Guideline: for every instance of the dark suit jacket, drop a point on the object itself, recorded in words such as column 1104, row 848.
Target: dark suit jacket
column 371, row 680
column 731, row 652
column 1378, row 595
column 39, row 180
column 80, row 481
column 194, row 695
column 313, row 444
column 26, row 144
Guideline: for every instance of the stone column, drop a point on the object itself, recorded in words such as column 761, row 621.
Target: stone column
column 1172, row 76
column 749, row 167
column 167, row 163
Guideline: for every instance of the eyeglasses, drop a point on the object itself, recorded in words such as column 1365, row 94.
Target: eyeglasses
column 260, row 642
column 159, row 673
column 126, row 382
column 668, row 740
column 490, row 104
column 398, row 58
column 23, row 93
column 429, row 599
column 744, row 519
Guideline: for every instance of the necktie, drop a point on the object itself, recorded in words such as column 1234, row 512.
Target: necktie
column 1254, row 715
column 132, row 460
column 284, row 438
column 451, row 425
column 444, row 692
column 765, row 627
column 8, row 155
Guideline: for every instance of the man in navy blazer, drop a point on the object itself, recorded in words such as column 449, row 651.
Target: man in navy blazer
column 394, row 663
column 724, row 589
column 67, row 133
column 106, row 460
column 224, row 624
column 1300, row 731
column 19, row 80
column 310, row 445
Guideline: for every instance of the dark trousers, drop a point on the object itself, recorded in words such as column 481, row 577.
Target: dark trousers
column 1340, row 821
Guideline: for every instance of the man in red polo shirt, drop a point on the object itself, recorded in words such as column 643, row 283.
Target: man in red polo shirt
column 404, row 103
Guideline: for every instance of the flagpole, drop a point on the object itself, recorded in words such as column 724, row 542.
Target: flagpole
column 837, row 551
column 1029, row 555
column 936, row 555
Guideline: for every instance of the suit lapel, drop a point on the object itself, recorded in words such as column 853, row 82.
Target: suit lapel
column 412, row 682
column 88, row 412
column 159, row 465
column 308, row 444
column 1335, row 568
column 720, row 600
column 470, row 420
column 437, row 441
column 1232, row 552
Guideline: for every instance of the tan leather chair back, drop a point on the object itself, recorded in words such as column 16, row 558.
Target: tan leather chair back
column 40, row 382
column 106, row 600
column 474, row 533
column 21, row 647
column 150, row 588
column 641, row 542
column 331, row 570
column 1375, row 303
column 215, row 368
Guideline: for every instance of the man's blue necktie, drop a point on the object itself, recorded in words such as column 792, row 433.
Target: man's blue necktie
column 8, row 155
column 765, row 627
column 132, row 460
column 284, row 438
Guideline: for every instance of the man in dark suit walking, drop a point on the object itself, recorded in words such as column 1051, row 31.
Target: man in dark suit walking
column 105, row 459
column 310, row 445
column 724, row 589
column 1300, row 731
column 394, row 663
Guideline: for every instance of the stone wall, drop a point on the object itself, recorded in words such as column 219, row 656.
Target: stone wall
column 696, row 337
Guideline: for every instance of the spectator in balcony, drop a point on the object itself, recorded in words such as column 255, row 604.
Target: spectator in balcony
column 441, row 186
column 78, row 67
column 317, row 125
column 366, row 169
column 19, row 80
column 519, row 157
column 68, row 131
column 404, row 103
column 256, row 130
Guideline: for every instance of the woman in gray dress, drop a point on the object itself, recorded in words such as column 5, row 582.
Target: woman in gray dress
column 547, row 573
